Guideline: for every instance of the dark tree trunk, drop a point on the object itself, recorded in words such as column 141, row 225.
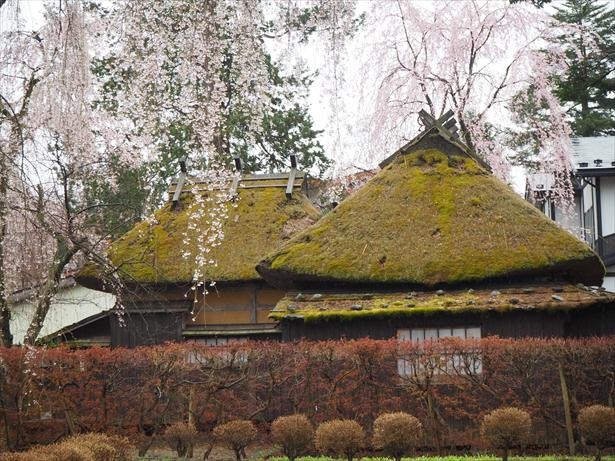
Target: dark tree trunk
column 208, row 452
column 62, row 257
column 6, row 338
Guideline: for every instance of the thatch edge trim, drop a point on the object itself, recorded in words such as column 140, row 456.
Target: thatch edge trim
column 284, row 278
column 313, row 317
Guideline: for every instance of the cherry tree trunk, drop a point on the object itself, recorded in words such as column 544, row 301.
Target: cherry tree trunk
column 6, row 339
column 47, row 291
column 567, row 413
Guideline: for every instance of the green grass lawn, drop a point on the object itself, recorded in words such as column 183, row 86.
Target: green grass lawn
column 462, row 458
column 424, row 458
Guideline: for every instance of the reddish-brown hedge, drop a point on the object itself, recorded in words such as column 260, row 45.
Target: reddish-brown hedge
column 46, row 393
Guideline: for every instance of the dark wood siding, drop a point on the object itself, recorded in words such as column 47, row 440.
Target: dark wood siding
column 93, row 333
column 591, row 322
column 145, row 328
column 596, row 321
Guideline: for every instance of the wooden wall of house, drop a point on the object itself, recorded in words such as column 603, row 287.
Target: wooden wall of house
column 146, row 328
column 162, row 314
column 591, row 322
column 247, row 303
column 96, row 333
column 596, row 321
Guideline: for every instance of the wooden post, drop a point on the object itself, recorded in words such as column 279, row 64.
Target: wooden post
column 291, row 176
column 183, row 165
column 568, row 416
column 191, row 412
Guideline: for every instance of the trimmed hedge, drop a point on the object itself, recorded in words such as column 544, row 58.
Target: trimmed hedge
column 45, row 393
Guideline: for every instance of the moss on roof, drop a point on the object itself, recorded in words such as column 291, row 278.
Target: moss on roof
column 433, row 218
column 314, row 308
column 263, row 218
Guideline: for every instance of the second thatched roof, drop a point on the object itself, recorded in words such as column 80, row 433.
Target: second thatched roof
column 260, row 219
column 433, row 216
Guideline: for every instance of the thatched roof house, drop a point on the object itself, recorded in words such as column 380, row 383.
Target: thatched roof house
column 436, row 240
column 266, row 212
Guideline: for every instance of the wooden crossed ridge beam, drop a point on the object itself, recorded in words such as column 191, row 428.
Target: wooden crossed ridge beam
column 445, row 124
column 183, row 166
column 291, row 176
column 236, row 178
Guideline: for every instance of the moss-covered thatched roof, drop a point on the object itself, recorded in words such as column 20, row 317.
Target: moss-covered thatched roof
column 318, row 307
column 259, row 221
column 432, row 216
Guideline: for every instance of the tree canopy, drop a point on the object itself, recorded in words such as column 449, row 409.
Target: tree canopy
column 587, row 89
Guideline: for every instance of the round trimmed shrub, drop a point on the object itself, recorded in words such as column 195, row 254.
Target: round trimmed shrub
column 341, row 437
column 294, row 433
column 102, row 446
column 396, row 433
column 82, row 447
column 180, row 437
column 506, row 428
column 597, row 425
column 100, row 449
column 236, row 435
column 64, row 451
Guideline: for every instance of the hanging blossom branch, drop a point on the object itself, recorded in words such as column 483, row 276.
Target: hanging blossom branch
column 472, row 57
column 183, row 67
column 207, row 215
column 54, row 145
column 170, row 58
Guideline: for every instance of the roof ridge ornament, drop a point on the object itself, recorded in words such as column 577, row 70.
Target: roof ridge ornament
column 446, row 127
column 446, row 124
column 183, row 167
column 236, row 176
column 291, row 176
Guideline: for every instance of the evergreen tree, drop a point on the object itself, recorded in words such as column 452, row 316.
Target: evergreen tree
column 590, row 82
column 287, row 128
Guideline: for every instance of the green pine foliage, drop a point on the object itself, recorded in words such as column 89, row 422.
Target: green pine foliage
column 588, row 87
column 287, row 128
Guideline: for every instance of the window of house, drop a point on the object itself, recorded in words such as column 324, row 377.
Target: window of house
column 237, row 357
column 223, row 340
column 470, row 362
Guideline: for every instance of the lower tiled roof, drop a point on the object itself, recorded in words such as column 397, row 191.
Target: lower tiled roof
column 316, row 307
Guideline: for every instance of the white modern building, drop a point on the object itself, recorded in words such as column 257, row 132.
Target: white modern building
column 73, row 305
column 593, row 214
